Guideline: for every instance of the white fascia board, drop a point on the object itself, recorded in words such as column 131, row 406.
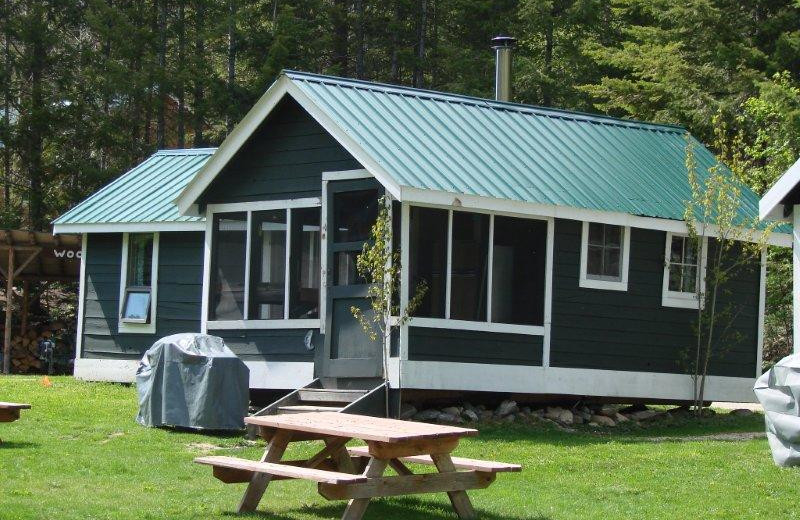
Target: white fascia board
column 231, row 145
column 770, row 206
column 128, row 227
column 434, row 198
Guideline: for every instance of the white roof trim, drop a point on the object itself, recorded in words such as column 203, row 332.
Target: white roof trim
column 474, row 202
column 770, row 206
column 128, row 227
column 239, row 135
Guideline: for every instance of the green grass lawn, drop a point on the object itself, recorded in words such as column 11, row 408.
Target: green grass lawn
column 79, row 454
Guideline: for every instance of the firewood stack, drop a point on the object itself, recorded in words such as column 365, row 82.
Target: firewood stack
column 25, row 347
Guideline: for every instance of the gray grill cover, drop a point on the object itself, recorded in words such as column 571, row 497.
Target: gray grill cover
column 193, row 381
column 778, row 390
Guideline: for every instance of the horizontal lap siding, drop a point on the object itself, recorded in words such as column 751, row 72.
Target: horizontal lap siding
column 283, row 159
column 180, row 278
column 270, row 344
column 468, row 346
column 631, row 330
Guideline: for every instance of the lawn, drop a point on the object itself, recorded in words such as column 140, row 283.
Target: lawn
column 78, row 454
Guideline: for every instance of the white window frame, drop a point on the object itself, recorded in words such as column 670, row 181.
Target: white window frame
column 680, row 299
column 249, row 208
column 589, row 281
column 488, row 325
column 127, row 327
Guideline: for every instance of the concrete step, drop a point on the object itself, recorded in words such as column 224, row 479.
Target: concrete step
column 329, row 395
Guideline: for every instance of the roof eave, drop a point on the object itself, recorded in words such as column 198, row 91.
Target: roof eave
column 771, row 206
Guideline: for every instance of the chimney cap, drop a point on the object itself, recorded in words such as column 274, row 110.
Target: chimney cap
column 503, row 41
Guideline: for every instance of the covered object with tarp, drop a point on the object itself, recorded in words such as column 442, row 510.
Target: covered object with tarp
column 778, row 390
column 193, row 381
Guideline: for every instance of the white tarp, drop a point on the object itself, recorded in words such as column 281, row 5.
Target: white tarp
column 193, row 381
column 778, row 390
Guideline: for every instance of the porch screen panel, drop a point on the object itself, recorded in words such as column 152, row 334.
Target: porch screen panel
column 518, row 270
column 268, row 265
column 226, row 298
column 428, row 258
column 304, row 263
column 469, row 266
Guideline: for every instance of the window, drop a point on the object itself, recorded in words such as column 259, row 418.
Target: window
column 428, row 258
column 518, row 267
column 138, row 282
column 684, row 269
column 282, row 280
column 486, row 271
column 605, row 250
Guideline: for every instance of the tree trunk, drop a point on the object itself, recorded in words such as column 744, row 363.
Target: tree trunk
column 198, row 87
column 181, row 73
column 360, row 40
column 395, row 43
column 418, row 78
column 231, row 115
column 548, row 63
column 7, row 106
column 162, row 74
column 340, row 36
column 36, row 126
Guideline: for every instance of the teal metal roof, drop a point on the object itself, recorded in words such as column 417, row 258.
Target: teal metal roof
column 144, row 194
column 435, row 141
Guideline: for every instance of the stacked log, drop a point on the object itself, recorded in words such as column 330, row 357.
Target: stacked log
column 25, row 347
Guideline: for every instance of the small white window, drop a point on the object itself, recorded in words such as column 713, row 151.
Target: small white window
column 138, row 282
column 684, row 269
column 605, row 250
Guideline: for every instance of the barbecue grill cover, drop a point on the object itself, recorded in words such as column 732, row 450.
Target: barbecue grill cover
column 192, row 381
column 778, row 390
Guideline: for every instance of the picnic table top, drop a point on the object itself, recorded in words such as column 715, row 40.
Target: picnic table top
column 362, row 427
column 14, row 406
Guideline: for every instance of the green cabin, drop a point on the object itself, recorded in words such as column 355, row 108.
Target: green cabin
column 552, row 244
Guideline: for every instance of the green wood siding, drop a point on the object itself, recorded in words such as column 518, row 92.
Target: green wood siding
column 631, row 330
column 283, row 159
column 180, row 278
column 469, row 346
column 270, row 344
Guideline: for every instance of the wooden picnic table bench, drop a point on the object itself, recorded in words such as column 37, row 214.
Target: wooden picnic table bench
column 9, row 412
column 357, row 473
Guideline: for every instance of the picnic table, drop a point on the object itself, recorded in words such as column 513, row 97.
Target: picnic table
column 9, row 412
column 357, row 473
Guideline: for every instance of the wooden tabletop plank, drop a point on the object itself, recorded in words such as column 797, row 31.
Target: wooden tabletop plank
column 14, row 406
column 359, row 426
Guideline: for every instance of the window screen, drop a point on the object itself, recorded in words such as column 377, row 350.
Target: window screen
column 518, row 270
column 305, row 263
column 228, row 272
column 138, row 279
column 268, row 265
column 469, row 262
column 428, row 258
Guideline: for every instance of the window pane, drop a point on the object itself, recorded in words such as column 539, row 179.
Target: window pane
column 305, row 263
column 268, row 265
column 690, row 251
column 228, row 257
column 613, row 235
column 596, row 234
column 345, row 268
column 594, row 260
column 518, row 271
column 137, row 306
column 428, row 258
column 676, row 249
column 689, row 279
column 611, row 263
column 354, row 212
column 140, row 260
column 469, row 266
column 675, row 278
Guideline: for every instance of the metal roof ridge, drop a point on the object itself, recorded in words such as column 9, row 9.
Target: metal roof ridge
column 485, row 102
column 185, row 151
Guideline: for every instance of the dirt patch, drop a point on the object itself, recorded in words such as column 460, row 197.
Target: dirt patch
column 730, row 437
column 203, row 447
column 112, row 436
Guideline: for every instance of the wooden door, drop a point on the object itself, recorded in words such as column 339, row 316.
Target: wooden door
column 352, row 208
